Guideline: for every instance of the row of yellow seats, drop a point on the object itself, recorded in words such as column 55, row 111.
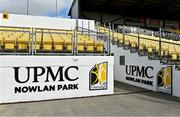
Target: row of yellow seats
column 15, row 29
column 46, row 42
column 168, row 47
column 106, row 31
column 117, row 37
column 148, row 43
column 14, row 40
column 88, row 44
column 103, row 29
column 114, row 36
column 173, row 49
column 128, row 39
column 55, row 31
column 56, row 42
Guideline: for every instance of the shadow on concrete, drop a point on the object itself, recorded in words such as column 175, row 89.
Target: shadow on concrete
column 122, row 88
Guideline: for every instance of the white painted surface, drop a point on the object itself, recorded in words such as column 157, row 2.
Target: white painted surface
column 176, row 83
column 43, row 22
column 134, row 59
column 84, row 64
column 87, row 24
column 38, row 22
column 75, row 10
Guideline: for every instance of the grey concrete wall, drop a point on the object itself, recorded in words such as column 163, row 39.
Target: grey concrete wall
column 75, row 10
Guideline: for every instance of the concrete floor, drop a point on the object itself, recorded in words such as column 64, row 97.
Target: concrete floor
column 127, row 101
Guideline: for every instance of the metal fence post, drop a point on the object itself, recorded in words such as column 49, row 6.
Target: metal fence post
column 109, row 40
column 123, row 36
column 160, row 46
column 138, row 40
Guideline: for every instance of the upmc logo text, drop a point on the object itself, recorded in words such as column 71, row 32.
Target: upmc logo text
column 45, row 79
column 60, row 75
column 142, row 75
column 139, row 71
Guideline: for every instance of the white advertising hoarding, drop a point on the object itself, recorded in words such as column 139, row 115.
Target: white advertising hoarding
column 142, row 72
column 33, row 78
column 45, row 22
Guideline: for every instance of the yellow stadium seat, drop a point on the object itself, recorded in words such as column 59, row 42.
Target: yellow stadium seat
column 9, row 43
column 68, row 43
column 165, row 48
column 90, row 45
column 58, row 42
column 111, row 34
column 133, row 41
column 115, row 37
column 172, row 51
column 174, row 56
column 127, row 40
column 1, row 42
column 142, row 45
column 148, row 46
column 47, row 42
column 103, row 29
column 133, row 44
column 156, row 45
column 38, row 41
column 142, row 42
column 81, row 45
column 100, row 46
column 23, row 42
column 120, row 38
column 177, row 49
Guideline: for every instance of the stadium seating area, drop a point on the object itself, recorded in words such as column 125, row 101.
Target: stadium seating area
column 47, row 41
column 167, row 49
column 89, row 45
column 16, row 40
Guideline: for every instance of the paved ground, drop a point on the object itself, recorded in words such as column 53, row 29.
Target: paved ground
column 128, row 100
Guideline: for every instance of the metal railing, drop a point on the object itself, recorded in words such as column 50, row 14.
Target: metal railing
column 4, row 50
column 37, row 41
column 161, row 42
